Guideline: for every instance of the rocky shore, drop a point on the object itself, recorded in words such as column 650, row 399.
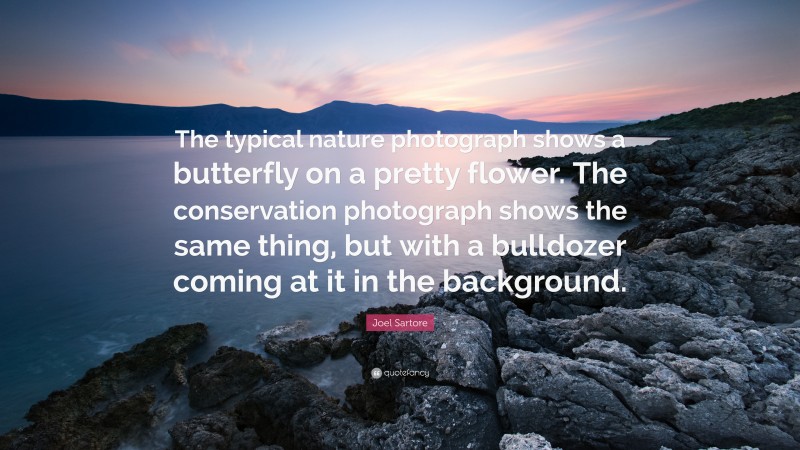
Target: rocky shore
column 703, row 350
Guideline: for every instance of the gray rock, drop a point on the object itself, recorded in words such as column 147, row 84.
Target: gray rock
column 648, row 377
column 291, row 412
column 226, row 374
column 304, row 352
column 576, row 402
column 341, row 347
column 530, row 441
column 717, row 271
column 489, row 307
column 783, row 406
column 459, row 351
column 681, row 220
column 709, row 287
column 176, row 377
column 769, row 255
column 745, row 447
column 437, row 417
column 112, row 402
column 284, row 343
column 761, row 248
column 292, row 330
column 216, row 431
column 744, row 177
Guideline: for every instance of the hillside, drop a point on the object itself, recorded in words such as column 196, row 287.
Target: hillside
column 24, row 116
column 746, row 114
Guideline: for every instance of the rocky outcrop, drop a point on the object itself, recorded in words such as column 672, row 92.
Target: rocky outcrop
column 647, row 377
column 488, row 307
column 621, row 377
column 712, row 288
column 458, row 352
column 673, row 360
column 292, row 330
column 742, row 177
column 291, row 412
column 437, row 417
column 226, row 374
column 283, row 342
column 773, row 248
column 111, row 402
column 718, row 271
column 215, row 431
column 304, row 352
column 681, row 220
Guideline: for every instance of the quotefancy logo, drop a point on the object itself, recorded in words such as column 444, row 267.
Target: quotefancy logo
column 378, row 373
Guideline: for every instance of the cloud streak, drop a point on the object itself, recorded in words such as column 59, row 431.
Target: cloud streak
column 132, row 53
column 549, row 60
column 459, row 77
column 444, row 75
column 471, row 75
column 463, row 76
column 661, row 9
column 183, row 47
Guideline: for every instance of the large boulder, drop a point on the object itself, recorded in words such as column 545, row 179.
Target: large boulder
column 717, row 271
column 768, row 256
column 459, row 351
column 227, row 373
column 305, row 352
column 215, row 431
column 713, row 288
column 681, row 220
column 293, row 330
column 437, row 417
column 488, row 306
column 649, row 377
column 290, row 411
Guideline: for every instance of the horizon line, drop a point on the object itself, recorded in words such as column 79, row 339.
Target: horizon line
column 382, row 104
column 320, row 106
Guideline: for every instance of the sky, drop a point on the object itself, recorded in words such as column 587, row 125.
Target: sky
column 539, row 60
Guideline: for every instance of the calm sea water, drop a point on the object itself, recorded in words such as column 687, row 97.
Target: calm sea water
column 87, row 251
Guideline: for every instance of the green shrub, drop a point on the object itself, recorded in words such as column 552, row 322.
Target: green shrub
column 785, row 118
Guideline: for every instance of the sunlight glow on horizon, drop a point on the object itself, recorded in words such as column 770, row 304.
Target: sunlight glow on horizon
column 546, row 61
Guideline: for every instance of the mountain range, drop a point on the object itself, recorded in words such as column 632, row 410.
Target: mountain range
column 24, row 116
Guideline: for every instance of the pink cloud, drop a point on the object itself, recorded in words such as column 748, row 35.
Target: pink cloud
column 427, row 79
column 132, row 53
column 342, row 85
column 184, row 47
column 527, row 56
column 539, row 39
column 661, row 9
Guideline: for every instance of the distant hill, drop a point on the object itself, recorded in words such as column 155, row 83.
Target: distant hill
column 746, row 114
column 23, row 116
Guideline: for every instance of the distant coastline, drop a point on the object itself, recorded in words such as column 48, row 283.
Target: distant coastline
column 23, row 116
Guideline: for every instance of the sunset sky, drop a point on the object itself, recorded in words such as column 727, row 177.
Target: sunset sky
column 542, row 60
